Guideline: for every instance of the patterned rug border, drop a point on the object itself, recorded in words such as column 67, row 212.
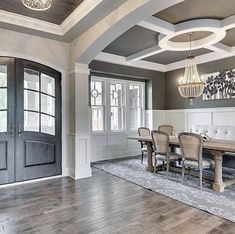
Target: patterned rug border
column 216, row 210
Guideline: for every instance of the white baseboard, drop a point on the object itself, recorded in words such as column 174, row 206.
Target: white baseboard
column 113, row 156
column 30, row 181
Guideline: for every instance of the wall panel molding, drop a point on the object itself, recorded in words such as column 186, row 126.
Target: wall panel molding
column 186, row 119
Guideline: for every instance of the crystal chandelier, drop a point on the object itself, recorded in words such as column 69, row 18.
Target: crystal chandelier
column 191, row 85
column 37, row 5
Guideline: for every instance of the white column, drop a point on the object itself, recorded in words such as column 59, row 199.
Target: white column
column 80, row 122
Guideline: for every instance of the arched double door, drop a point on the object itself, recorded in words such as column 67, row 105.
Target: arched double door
column 30, row 121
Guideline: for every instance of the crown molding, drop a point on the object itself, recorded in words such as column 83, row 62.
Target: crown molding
column 78, row 14
column 28, row 22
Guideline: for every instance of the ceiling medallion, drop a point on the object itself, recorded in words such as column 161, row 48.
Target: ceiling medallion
column 207, row 25
column 191, row 85
column 37, row 5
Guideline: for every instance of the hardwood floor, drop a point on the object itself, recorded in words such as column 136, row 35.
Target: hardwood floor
column 100, row 204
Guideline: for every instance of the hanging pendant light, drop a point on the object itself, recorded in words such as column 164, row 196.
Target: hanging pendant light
column 191, row 86
column 37, row 5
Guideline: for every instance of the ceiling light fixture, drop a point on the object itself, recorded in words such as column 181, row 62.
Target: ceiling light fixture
column 191, row 85
column 37, row 5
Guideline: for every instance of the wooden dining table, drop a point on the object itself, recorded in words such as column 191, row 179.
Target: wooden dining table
column 217, row 148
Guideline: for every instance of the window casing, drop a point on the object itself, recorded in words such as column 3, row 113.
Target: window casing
column 97, row 105
column 120, row 105
column 116, row 106
column 135, row 98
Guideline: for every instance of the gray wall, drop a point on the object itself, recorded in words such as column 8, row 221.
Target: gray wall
column 161, row 88
column 173, row 100
column 154, row 81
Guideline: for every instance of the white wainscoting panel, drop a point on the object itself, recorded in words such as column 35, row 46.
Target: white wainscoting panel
column 149, row 120
column 155, row 118
column 82, row 156
column 224, row 118
column 177, row 119
column 198, row 118
column 106, row 146
column 186, row 119
column 71, row 155
column 159, row 117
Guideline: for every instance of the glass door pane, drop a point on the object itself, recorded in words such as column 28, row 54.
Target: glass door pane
column 3, row 98
column 3, row 122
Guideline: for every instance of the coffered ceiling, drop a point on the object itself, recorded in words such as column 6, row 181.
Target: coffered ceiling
column 58, row 12
column 163, row 39
column 159, row 42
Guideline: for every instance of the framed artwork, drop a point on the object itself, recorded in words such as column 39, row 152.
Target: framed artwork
column 219, row 85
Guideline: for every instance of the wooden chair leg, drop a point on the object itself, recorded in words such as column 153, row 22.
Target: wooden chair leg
column 155, row 165
column 142, row 157
column 189, row 172
column 183, row 173
column 163, row 165
column 200, row 178
column 167, row 169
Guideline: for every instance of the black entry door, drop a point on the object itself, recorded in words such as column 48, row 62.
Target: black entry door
column 7, row 124
column 38, row 121
column 30, row 121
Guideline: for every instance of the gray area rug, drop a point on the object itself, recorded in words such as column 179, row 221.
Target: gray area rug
column 220, row 204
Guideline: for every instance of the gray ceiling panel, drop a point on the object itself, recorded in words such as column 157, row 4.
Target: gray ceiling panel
column 230, row 38
column 196, row 9
column 135, row 39
column 58, row 12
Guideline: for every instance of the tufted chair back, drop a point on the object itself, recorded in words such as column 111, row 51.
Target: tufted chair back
column 216, row 132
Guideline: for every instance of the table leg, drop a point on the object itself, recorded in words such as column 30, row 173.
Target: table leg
column 218, row 185
column 150, row 157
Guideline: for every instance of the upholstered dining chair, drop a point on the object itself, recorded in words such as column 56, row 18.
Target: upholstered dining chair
column 191, row 150
column 167, row 129
column 161, row 150
column 143, row 131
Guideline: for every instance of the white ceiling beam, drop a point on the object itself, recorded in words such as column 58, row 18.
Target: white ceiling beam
column 210, row 57
column 201, row 59
column 144, row 53
column 219, row 47
column 121, row 60
column 228, row 23
column 158, row 25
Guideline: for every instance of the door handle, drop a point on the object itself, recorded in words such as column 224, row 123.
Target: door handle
column 19, row 129
column 11, row 130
